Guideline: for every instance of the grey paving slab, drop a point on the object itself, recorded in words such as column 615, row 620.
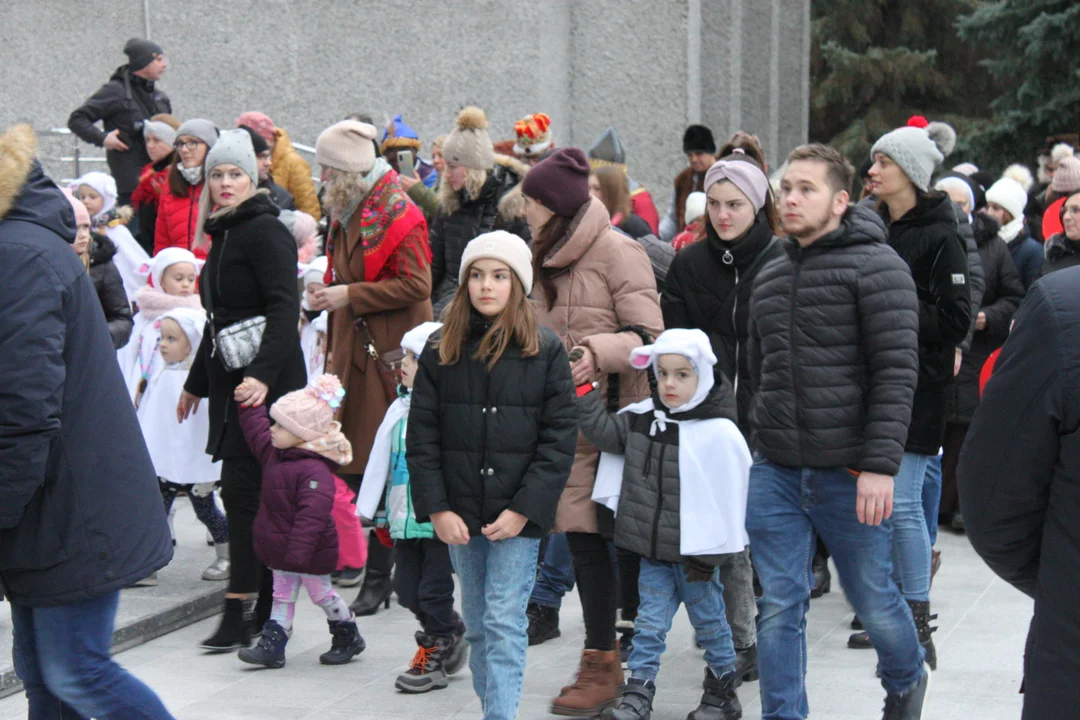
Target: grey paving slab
column 980, row 644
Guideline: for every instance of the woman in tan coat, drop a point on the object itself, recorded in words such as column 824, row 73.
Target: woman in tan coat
column 379, row 289
column 593, row 280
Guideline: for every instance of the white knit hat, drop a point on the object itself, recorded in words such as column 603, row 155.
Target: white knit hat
column 191, row 321
column 165, row 259
column 695, row 207
column 348, row 146
column 101, row 183
column 499, row 245
column 1010, row 195
column 415, row 340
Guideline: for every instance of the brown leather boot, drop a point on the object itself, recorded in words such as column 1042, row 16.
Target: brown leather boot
column 596, row 688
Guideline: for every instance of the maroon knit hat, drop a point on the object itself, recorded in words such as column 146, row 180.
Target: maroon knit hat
column 560, row 183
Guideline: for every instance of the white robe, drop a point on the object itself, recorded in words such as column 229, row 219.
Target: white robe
column 129, row 257
column 177, row 449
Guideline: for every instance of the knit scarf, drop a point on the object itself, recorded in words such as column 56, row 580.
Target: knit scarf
column 387, row 217
column 192, row 175
column 333, row 446
column 1009, row 232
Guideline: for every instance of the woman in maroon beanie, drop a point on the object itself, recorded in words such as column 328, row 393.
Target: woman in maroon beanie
column 591, row 281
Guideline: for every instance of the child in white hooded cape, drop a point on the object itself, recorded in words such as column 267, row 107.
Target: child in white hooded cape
column 97, row 190
column 173, row 274
column 179, row 450
column 312, row 322
column 676, row 470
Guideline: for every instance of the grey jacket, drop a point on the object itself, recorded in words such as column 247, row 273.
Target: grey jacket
column 647, row 522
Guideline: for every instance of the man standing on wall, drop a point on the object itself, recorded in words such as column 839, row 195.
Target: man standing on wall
column 123, row 104
column 700, row 149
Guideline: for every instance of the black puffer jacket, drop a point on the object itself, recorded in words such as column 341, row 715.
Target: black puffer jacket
column 928, row 238
column 460, row 220
column 834, row 349
column 1061, row 253
column 109, row 287
column 1019, row 477
column 976, row 277
column 708, row 287
column 1002, row 296
column 648, row 521
column 481, row 441
column 249, row 271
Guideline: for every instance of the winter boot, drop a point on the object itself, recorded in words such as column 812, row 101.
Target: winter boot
column 636, row 703
column 543, row 623
column 426, row 671
column 920, row 611
column 236, row 627
column 909, row 705
column 375, row 591
column 457, row 654
column 719, row 701
column 746, row 667
column 219, row 569
column 596, row 687
column 822, row 577
column 346, row 644
column 270, row 651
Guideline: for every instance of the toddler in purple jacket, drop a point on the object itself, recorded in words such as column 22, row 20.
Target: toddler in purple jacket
column 294, row 531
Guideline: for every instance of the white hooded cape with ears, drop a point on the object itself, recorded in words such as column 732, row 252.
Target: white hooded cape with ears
column 129, row 258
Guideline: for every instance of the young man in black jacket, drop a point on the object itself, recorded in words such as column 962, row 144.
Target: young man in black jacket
column 834, row 350
column 924, row 231
column 123, row 104
column 1019, row 480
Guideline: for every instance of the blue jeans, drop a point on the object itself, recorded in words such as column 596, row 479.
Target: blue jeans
column 910, row 537
column 663, row 587
column 931, row 497
column 496, row 581
column 556, row 574
column 786, row 508
column 62, row 655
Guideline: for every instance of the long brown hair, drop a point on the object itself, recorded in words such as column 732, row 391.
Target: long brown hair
column 178, row 186
column 516, row 323
column 554, row 230
column 614, row 190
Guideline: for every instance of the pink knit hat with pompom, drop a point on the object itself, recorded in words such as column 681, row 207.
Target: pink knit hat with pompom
column 309, row 413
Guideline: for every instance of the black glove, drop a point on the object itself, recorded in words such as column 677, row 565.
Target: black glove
column 698, row 571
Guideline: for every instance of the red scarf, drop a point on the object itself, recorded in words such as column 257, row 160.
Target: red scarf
column 387, row 217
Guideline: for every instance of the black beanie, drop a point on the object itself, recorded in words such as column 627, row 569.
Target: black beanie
column 698, row 138
column 258, row 142
column 141, row 53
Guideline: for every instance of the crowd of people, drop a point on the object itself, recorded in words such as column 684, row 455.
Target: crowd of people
column 504, row 364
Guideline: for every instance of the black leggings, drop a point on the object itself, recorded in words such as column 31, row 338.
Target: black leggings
column 595, row 575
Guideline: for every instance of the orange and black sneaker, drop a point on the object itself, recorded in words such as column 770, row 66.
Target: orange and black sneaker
column 426, row 671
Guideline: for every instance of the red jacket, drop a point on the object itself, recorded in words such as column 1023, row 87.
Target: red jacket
column 643, row 206
column 176, row 220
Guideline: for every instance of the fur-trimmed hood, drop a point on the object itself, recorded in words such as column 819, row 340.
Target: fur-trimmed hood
column 503, row 186
column 26, row 193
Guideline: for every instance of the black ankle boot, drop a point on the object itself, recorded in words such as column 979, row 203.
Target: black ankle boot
column 909, row 705
column 636, row 702
column 236, row 629
column 746, row 665
column 375, row 591
column 719, row 701
column 920, row 611
column 822, row 577
column 543, row 623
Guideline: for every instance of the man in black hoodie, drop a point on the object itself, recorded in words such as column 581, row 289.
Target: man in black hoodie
column 80, row 510
column 924, row 230
column 834, row 349
column 123, row 104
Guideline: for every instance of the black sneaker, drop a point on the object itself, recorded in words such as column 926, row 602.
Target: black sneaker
column 860, row 641
column 909, row 705
column 426, row 671
column 543, row 623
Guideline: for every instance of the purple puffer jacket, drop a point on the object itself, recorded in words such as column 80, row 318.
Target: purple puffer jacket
column 294, row 530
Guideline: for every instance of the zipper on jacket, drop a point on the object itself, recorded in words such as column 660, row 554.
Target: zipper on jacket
column 792, row 360
column 190, row 229
column 735, row 328
column 659, row 495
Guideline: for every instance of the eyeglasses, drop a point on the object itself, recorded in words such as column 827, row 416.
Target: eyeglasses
column 1073, row 210
column 187, row 144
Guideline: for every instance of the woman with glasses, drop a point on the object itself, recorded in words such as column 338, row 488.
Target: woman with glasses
column 1063, row 249
column 178, row 206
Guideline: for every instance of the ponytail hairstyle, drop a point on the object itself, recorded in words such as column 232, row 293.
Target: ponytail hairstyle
column 516, row 323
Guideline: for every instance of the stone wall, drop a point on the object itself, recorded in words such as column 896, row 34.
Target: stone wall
column 648, row 67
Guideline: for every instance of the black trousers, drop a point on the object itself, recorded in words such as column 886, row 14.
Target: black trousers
column 241, row 486
column 629, row 569
column 594, row 571
column 424, row 583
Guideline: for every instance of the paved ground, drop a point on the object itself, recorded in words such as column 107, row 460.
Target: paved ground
column 980, row 643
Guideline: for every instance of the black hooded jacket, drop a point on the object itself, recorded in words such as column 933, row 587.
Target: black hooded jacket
column 80, row 511
column 708, row 287
column 928, row 239
column 123, row 103
column 109, row 287
column 834, row 350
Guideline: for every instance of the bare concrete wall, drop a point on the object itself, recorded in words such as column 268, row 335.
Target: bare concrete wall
column 649, row 67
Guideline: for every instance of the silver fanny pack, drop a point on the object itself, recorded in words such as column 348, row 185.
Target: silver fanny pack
column 238, row 344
